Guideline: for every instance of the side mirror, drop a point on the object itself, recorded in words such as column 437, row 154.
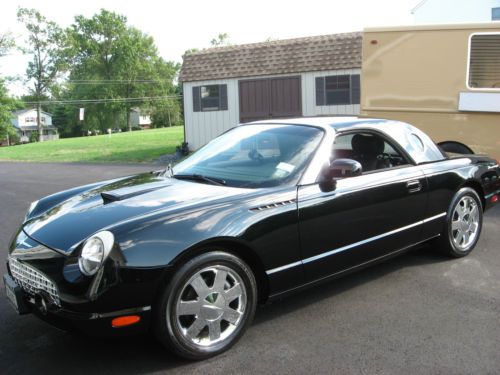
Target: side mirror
column 339, row 168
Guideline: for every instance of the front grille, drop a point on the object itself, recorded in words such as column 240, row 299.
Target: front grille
column 33, row 281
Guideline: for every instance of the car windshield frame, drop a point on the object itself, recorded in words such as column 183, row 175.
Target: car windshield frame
column 284, row 173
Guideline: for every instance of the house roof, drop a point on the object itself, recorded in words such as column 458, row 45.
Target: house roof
column 315, row 53
column 22, row 111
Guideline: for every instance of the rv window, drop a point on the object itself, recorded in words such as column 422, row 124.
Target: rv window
column 483, row 61
column 495, row 14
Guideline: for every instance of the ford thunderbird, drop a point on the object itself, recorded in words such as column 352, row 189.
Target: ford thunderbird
column 266, row 209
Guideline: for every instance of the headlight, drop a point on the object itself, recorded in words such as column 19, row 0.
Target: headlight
column 30, row 209
column 95, row 250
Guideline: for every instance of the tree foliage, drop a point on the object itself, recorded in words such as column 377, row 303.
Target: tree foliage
column 6, row 43
column 112, row 60
column 7, row 106
column 221, row 40
column 46, row 44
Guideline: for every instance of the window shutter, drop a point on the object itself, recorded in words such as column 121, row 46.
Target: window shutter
column 484, row 58
column 196, row 99
column 222, row 97
column 320, row 90
column 355, row 89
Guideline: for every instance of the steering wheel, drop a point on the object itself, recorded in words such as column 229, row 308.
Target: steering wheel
column 255, row 155
column 384, row 160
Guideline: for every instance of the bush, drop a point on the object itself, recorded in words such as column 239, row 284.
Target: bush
column 34, row 137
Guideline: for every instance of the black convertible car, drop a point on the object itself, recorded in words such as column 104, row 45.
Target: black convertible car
column 264, row 210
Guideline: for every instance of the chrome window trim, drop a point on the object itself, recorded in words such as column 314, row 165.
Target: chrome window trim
column 355, row 244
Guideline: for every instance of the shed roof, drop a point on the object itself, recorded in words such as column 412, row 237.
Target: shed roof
column 315, row 53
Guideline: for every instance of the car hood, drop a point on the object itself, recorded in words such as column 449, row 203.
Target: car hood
column 64, row 225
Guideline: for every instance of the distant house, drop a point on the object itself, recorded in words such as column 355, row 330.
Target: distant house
column 456, row 11
column 25, row 123
column 311, row 76
column 140, row 119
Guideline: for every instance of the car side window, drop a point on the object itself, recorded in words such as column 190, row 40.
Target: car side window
column 372, row 151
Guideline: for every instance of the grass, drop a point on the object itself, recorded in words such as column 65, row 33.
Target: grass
column 127, row 147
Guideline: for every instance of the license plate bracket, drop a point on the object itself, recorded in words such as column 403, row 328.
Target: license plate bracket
column 15, row 295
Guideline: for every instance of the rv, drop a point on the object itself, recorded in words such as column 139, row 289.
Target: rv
column 445, row 79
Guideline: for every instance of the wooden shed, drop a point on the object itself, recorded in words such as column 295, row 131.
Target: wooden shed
column 312, row 76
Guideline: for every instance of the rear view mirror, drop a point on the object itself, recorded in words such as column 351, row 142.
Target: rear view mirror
column 339, row 168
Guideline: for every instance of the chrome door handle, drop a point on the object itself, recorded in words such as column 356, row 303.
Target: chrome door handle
column 413, row 186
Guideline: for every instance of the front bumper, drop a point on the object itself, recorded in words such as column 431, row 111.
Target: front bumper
column 95, row 324
column 50, row 286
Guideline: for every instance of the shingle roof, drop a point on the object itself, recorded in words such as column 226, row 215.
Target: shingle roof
column 316, row 53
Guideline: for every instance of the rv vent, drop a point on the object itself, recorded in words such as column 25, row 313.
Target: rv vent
column 272, row 205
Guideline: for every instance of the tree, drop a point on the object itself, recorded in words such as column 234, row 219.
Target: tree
column 46, row 44
column 117, row 64
column 7, row 106
column 6, row 43
column 221, row 40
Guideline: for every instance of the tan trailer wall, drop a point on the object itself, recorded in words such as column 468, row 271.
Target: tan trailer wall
column 416, row 75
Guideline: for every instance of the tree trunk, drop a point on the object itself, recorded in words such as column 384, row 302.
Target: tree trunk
column 169, row 122
column 39, row 122
column 8, row 139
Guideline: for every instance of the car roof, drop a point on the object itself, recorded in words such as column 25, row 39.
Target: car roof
column 337, row 123
column 401, row 132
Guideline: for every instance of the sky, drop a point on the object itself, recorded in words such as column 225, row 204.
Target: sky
column 177, row 26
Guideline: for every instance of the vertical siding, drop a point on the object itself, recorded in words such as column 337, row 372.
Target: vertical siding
column 309, row 107
column 202, row 127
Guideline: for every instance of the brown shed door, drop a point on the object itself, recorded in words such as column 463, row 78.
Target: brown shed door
column 270, row 98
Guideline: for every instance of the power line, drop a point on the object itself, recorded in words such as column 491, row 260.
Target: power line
column 104, row 100
column 116, row 82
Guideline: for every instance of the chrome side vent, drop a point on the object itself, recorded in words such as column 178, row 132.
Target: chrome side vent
column 273, row 205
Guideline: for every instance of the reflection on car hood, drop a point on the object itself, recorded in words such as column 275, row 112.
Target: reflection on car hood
column 64, row 225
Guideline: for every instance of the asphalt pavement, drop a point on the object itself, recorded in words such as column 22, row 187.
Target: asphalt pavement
column 417, row 313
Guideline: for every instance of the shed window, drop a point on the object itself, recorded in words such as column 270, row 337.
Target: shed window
column 484, row 61
column 210, row 98
column 336, row 90
column 495, row 14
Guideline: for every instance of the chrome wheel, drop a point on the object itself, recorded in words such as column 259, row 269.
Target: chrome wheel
column 211, row 306
column 465, row 223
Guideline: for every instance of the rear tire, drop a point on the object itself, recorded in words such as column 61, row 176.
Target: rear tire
column 207, row 306
column 464, row 221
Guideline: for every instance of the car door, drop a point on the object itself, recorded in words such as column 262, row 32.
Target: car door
column 365, row 217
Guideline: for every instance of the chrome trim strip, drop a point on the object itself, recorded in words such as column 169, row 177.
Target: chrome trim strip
column 491, row 194
column 359, row 243
column 120, row 312
column 282, row 268
column 353, row 267
column 434, row 217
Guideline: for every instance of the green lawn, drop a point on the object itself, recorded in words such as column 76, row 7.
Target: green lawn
column 137, row 146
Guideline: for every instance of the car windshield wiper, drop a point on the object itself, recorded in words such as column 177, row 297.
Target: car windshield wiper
column 199, row 177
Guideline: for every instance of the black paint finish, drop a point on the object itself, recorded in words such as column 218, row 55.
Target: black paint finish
column 291, row 236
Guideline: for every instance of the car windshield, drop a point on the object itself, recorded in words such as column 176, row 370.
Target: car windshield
column 253, row 156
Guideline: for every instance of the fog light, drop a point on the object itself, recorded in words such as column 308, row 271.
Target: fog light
column 124, row 321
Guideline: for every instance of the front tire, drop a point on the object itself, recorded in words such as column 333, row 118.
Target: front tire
column 464, row 221
column 207, row 306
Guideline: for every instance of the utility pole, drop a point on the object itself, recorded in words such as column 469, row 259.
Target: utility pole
column 39, row 121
